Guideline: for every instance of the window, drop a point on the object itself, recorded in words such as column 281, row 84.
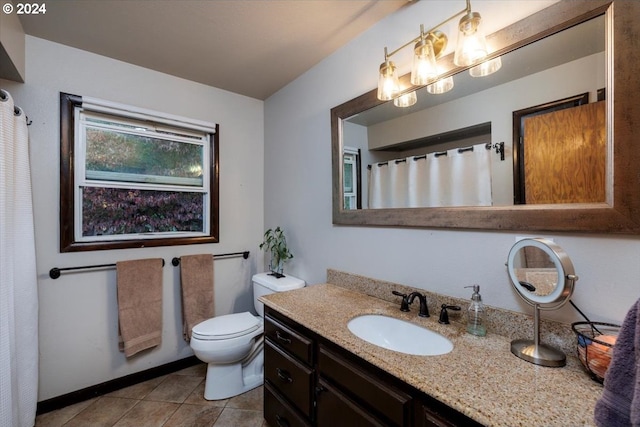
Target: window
column 133, row 178
column 351, row 178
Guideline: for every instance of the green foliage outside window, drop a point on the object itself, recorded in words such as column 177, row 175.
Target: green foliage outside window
column 112, row 211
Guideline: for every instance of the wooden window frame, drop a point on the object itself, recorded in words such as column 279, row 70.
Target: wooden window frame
column 68, row 242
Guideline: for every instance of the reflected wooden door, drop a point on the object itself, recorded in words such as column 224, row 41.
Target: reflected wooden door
column 565, row 155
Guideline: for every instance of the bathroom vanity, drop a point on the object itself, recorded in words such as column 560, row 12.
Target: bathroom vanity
column 318, row 373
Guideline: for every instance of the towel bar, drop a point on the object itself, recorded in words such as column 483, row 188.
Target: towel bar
column 54, row 273
column 176, row 261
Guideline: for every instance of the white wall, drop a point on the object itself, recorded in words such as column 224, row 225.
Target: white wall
column 78, row 311
column 298, row 193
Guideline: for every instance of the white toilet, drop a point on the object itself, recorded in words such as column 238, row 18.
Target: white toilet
column 232, row 345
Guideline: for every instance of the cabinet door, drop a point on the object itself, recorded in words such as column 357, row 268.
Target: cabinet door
column 278, row 413
column 364, row 386
column 291, row 378
column 431, row 413
column 433, row 419
column 336, row 410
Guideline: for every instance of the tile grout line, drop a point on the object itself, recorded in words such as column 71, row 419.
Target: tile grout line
column 126, row 412
column 227, row 405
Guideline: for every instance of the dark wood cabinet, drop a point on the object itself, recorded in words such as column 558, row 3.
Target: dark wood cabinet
column 278, row 412
column 310, row 381
column 286, row 338
column 378, row 397
column 291, row 378
column 288, row 372
column 336, row 409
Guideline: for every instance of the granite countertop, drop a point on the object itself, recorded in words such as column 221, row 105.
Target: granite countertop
column 479, row 377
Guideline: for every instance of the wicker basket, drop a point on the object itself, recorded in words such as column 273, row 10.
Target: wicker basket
column 595, row 346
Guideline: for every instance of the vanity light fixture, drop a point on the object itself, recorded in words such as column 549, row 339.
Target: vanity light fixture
column 472, row 45
column 428, row 47
column 406, row 100
column 441, row 86
column 424, row 69
column 486, row 68
column 388, row 83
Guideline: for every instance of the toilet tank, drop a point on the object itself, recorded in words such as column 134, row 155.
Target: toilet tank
column 266, row 283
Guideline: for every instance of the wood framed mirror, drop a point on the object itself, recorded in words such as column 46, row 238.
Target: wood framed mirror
column 619, row 213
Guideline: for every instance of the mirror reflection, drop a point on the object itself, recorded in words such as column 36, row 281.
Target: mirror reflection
column 535, row 271
column 458, row 148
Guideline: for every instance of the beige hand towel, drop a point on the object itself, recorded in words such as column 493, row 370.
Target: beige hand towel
column 196, row 276
column 139, row 304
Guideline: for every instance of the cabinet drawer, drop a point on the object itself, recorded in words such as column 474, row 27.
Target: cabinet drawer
column 290, row 340
column 278, row 413
column 433, row 419
column 291, row 378
column 383, row 398
column 335, row 409
column 431, row 413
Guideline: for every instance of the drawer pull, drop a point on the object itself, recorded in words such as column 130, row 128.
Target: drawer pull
column 283, row 338
column 281, row 421
column 284, row 375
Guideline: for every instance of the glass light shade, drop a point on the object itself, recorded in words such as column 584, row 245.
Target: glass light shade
column 406, row 100
column 472, row 45
column 388, row 84
column 441, row 86
column 424, row 69
column 486, row 68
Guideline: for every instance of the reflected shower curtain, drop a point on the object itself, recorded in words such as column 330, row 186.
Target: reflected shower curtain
column 459, row 178
column 418, row 188
column 399, row 184
column 379, row 186
column 388, row 188
column 439, row 180
column 18, row 283
column 470, row 176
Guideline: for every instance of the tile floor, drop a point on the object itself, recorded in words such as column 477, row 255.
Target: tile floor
column 174, row 400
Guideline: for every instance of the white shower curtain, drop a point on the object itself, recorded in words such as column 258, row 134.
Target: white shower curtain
column 379, row 186
column 470, row 176
column 418, row 187
column 18, row 282
column 459, row 178
column 439, row 179
column 388, row 188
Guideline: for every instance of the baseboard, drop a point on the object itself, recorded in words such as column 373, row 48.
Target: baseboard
column 113, row 385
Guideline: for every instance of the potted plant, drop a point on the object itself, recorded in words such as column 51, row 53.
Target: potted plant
column 276, row 244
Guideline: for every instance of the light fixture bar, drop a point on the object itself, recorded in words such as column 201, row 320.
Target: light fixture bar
column 415, row 40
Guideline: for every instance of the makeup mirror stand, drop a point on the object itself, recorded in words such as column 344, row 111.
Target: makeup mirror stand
column 549, row 288
column 535, row 352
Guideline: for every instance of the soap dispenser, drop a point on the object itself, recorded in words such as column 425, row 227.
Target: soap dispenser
column 475, row 313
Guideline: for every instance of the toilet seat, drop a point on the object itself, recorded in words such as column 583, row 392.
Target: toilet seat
column 226, row 327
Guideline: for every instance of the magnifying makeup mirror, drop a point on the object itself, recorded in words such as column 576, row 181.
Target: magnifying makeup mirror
column 543, row 275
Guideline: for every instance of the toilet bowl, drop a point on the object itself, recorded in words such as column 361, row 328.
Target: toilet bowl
column 232, row 344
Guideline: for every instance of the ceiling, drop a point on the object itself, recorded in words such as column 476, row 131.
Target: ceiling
column 249, row 47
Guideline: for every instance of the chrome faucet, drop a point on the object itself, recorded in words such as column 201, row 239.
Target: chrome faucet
column 424, row 310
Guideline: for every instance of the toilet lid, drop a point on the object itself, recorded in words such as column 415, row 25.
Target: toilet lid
column 227, row 326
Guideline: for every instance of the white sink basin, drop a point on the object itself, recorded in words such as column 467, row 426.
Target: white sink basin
column 399, row 335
